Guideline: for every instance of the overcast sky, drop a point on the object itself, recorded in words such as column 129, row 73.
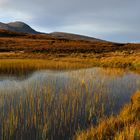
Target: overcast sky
column 114, row 20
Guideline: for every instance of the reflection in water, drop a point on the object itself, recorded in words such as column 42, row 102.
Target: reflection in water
column 62, row 101
column 116, row 83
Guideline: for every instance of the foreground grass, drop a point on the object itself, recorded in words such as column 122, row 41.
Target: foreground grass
column 125, row 126
column 39, row 113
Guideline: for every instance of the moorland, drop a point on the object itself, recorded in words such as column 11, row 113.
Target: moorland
column 40, row 114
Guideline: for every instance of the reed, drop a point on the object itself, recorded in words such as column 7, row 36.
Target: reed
column 125, row 126
column 42, row 112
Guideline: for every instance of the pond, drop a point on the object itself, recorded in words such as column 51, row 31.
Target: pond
column 68, row 100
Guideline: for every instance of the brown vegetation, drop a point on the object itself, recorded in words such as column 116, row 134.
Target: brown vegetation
column 44, row 43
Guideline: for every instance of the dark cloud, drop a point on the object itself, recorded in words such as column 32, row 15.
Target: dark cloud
column 116, row 20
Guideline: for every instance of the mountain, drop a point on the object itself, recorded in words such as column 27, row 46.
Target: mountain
column 71, row 36
column 20, row 27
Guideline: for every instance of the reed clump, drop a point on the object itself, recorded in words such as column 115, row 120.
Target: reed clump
column 125, row 126
column 41, row 113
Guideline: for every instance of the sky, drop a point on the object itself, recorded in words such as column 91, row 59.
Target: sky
column 113, row 20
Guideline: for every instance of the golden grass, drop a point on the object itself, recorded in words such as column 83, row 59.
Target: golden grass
column 73, row 61
column 125, row 126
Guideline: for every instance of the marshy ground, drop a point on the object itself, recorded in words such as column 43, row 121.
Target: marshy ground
column 70, row 100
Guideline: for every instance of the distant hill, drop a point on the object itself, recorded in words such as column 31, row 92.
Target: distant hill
column 71, row 36
column 20, row 27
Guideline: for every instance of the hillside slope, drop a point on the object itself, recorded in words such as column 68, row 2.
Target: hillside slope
column 71, row 36
column 20, row 27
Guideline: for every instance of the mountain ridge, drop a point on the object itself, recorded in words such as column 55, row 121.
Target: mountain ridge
column 73, row 36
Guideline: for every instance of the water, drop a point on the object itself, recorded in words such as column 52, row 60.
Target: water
column 116, row 83
column 64, row 101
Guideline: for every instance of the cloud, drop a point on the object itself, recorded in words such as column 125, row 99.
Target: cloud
column 115, row 20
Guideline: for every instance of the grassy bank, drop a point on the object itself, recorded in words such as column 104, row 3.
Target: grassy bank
column 74, row 61
column 125, row 126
